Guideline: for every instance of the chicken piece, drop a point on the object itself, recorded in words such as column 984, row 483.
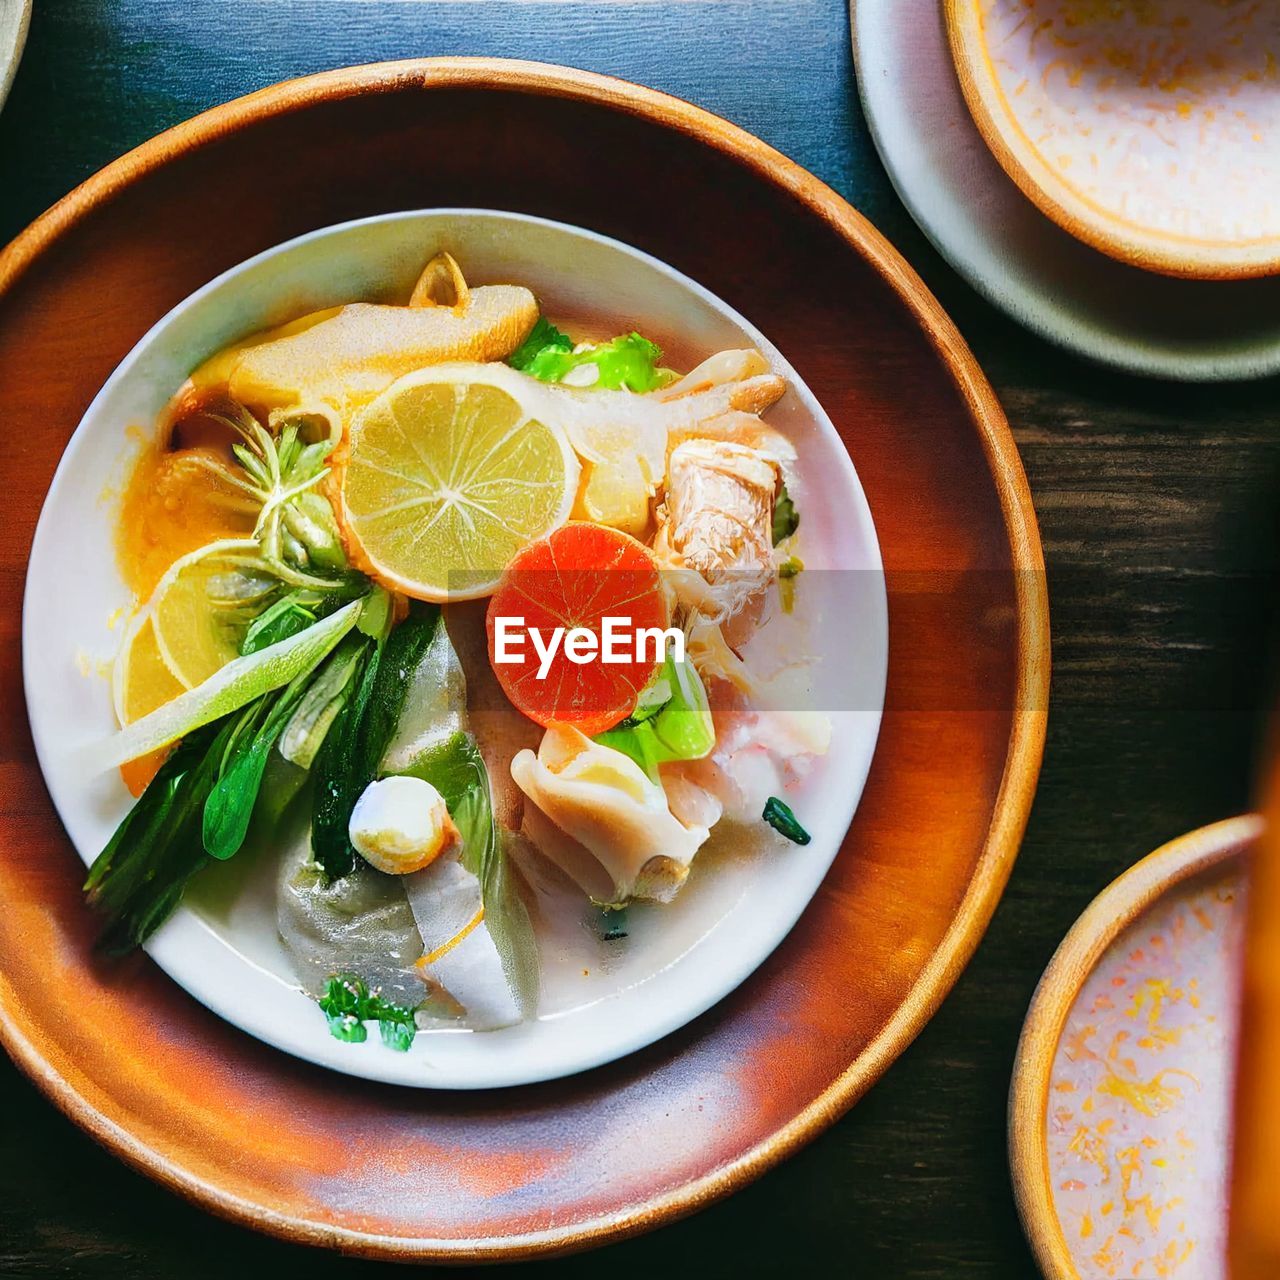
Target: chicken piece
column 717, row 519
column 623, row 439
column 738, row 428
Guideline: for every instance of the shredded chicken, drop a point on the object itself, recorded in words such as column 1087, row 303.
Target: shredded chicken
column 717, row 520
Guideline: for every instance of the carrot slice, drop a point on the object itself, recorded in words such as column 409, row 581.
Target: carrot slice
column 574, row 579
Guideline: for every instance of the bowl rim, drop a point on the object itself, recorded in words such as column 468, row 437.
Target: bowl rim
column 180, row 948
column 1127, row 897
column 1010, row 809
column 1040, row 182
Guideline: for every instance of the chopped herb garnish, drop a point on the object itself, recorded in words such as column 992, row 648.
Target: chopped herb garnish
column 543, row 337
column 628, row 362
column 348, row 1004
column 779, row 816
column 788, row 571
column 786, row 519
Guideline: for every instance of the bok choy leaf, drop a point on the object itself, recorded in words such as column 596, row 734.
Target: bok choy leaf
column 238, row 683
column 138, row 879
column 352, row 750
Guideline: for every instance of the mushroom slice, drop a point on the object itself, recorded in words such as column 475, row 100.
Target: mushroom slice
column 607, row 824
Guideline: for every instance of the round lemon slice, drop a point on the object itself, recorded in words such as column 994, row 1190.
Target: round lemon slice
column 140, row 679
column 449, row 473
column 199, row 609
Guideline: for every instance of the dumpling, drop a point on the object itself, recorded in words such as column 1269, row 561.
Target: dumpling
column 614, row 832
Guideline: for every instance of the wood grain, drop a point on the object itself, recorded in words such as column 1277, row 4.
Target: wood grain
column 1163, row 495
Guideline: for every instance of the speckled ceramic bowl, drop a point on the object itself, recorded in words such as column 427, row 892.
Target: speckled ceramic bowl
column 310, row 1155
column 1120, row 1110
column 1148, row 128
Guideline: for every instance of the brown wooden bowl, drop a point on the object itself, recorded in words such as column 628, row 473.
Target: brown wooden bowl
column 311, row 1156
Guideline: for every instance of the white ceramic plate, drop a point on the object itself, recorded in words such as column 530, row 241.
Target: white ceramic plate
column 15, row 18
column 680, row 959
column 1015, row 256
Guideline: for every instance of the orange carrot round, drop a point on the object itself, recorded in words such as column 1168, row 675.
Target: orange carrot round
column 596, row 601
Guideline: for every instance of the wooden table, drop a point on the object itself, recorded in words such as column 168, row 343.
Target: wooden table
column 1157, row 507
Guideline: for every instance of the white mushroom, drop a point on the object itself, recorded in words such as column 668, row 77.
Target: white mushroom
column 611, row 827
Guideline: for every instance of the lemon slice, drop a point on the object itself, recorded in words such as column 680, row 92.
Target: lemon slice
column 140, row 680
column 446, row 475
column 198, row 609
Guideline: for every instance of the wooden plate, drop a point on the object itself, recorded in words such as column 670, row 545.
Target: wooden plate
column 1150, row 131
column 299, row 1152
column 1121, row 1090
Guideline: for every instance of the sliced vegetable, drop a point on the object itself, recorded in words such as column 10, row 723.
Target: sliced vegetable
column 138, row 879
column 352, row 750
column 778, row 815
column 457, row 770
column 681, row 730
column 786, row 519
column 295, row 530
column 653, row 697
column 581, row 577
column 325, row 697
column 229, row 807
column 234, row 686
column 377, row 615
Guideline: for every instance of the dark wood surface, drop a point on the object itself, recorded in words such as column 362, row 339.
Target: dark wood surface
column 1157, row 511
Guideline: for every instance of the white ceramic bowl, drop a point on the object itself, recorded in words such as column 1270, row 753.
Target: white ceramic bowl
column 727, row 920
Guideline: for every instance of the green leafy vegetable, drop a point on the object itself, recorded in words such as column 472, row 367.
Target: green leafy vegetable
column 653, row 697
column 234, row 686
column 352, row 750
column 348, row 1004
column 377, row 614
column 138, row 879
column 544, row 336
column 681, row 730
column 325, row 697
column 288, row 616
column 628, row 362
column 230, row 804
column 457, row 770
column 779, row 816
column 786, row 519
